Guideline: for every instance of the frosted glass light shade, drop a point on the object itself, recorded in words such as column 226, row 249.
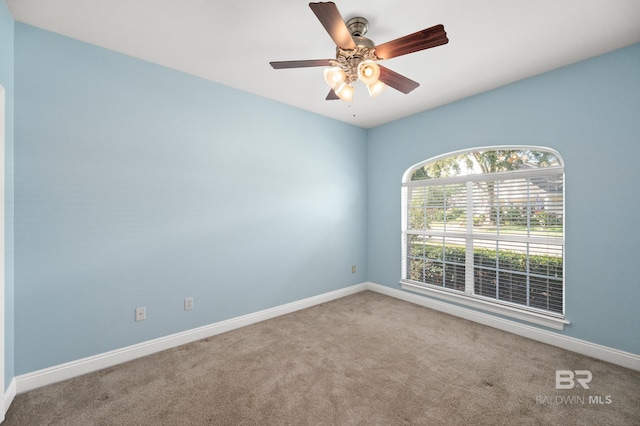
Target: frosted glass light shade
column 345, row 92
column 376, row 88
column 334, row 76
column 368, row 72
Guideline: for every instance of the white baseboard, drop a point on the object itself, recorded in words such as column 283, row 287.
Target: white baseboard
column 604, row 353
column 47, row 376
column 9, row 395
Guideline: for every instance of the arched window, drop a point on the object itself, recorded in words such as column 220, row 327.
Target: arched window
column 485, row 227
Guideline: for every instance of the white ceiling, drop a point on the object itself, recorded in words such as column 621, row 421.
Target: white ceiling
column 491, row 43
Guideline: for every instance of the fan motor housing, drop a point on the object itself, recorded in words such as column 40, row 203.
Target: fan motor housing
column 349, row 59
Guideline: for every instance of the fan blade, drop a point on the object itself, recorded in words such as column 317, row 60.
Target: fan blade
column 330, row 18
column 331, row 96
column 425, row 39
column 397, row 81
column 301, row 64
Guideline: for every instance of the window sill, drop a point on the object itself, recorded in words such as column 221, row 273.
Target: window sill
column 531, row 317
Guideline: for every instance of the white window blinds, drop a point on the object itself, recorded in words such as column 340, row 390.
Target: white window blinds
column 496, row 236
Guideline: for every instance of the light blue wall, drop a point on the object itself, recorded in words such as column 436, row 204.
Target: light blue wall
column 136, row 185
column 590, row 113
column 6, row 80
column 139, row 186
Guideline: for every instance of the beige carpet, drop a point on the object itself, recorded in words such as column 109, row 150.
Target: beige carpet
column 366, row 359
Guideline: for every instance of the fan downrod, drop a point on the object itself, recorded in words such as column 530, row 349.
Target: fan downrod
column 357, row 26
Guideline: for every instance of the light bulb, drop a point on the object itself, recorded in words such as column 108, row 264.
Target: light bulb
column 368, row 72
column 376, row 88
column 345, row 92
column 334, row 76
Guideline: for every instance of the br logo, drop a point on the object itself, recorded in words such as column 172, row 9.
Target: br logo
column 566, row 379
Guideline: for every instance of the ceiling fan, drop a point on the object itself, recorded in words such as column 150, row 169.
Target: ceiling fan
column 357, row 56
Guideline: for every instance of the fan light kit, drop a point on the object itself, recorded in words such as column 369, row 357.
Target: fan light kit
column 357, row 57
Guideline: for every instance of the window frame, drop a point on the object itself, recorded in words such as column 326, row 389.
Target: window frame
column 468, row 297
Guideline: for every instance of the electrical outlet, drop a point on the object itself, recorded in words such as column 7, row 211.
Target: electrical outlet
column 141, row 314
column 353, row 269
column 188, row 303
